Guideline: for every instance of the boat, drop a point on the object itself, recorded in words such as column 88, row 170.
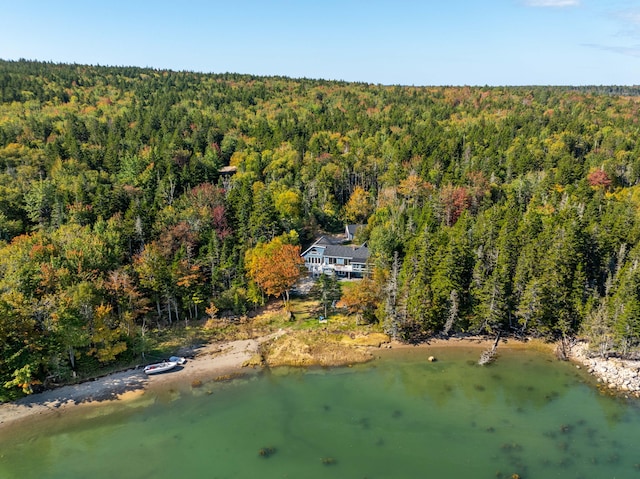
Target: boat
column 178, row 360
column 160, row 367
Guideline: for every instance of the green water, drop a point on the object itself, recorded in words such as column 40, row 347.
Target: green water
column 398, row 417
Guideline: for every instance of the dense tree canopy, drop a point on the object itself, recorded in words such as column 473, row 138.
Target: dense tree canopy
column 507, row 209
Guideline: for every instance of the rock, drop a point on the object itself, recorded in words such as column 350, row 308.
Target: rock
column 266, row 452
column 613, row 373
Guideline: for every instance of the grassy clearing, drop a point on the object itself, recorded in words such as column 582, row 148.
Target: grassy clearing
column 334, row 342
column 306, row 313
column 306, row 342
column 318, row 348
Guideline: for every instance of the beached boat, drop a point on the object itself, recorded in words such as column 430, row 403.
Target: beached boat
column 178, row 360
column 160, row 367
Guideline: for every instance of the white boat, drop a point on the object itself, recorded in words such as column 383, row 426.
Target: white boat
column 160, row 367
column 178, row 360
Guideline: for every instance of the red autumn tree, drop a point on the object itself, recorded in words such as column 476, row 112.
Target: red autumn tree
column 599, row 178
column 454, row 200
column 479, row 187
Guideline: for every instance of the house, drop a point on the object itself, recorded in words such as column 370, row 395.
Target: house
column 332, row 258
column 226, row 172
column 351, row 230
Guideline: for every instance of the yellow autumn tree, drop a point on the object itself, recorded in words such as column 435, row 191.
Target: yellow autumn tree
column 106, row 335
column 358, row 208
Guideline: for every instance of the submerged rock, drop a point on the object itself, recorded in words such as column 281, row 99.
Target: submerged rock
column 266, row 452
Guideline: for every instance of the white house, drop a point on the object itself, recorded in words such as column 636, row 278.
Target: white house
column 328, row 257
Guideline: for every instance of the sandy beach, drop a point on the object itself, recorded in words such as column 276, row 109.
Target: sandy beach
column 209, row 362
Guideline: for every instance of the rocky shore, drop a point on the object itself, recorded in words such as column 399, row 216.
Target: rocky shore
column 614, row 374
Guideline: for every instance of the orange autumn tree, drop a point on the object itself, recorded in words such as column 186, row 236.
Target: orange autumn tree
column 275, row 266
column 363, row 298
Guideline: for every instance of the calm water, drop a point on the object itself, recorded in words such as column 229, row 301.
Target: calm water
column 399, row 417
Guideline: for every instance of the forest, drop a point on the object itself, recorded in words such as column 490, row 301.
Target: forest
column 488, row 210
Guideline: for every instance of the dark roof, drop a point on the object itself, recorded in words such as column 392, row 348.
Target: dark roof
column 333, row 247
column 324, row 240
column 358, row 254
column 361, row 255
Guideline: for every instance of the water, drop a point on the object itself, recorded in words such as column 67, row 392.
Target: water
column 398, row 417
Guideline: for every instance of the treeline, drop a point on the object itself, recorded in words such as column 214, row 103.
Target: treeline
column 511, row 209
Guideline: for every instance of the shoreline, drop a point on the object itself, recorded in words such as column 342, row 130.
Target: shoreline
column 613, row 375
column 227, row 360
column 215, row 361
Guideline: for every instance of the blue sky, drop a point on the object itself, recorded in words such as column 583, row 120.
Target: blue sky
column 409, row 42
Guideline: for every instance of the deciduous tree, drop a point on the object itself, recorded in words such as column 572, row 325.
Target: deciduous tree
column 358, row 208
column 361, row 298
column 275, row 266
